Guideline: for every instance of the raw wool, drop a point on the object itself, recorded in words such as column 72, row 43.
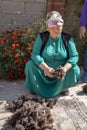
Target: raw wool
column 59, row 72
column 31, row 114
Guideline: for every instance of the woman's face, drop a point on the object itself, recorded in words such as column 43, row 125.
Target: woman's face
column 55, row 30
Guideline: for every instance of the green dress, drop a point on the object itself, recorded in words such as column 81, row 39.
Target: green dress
column 54, row 54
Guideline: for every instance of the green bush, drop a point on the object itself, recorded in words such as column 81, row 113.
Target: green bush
column 15, row 50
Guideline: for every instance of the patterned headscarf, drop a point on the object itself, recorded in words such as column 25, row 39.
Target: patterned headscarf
column 54, row 18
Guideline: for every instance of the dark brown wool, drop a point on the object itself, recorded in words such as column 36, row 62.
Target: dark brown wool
column 31, row 114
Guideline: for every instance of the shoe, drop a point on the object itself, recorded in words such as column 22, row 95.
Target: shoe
column 33, row 93
column 84, row 79
column 65, row 92
column 85, row 89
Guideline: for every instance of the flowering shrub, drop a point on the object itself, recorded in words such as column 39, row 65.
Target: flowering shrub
column 15, row 49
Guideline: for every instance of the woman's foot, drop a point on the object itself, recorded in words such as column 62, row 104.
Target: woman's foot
column 85, row 89
column 84, row 77
column 33, row 93
column 65, row 92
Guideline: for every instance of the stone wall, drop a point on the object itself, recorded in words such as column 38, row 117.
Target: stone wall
column 20, row 13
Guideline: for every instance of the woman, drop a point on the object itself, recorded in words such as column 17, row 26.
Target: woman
column 82, row 31
column 39, row 78
column 82, row 34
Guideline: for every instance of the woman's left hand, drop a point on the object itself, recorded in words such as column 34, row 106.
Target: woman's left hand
column 65, row 68
column 62, row 72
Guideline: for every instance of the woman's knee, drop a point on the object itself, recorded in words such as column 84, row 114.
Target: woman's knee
column 75, row 70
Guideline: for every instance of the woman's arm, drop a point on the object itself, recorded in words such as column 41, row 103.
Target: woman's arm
column 38, row 59
column 73, row 56
column 67, row 67
column 83, row 20
column 35, row 55
column 83, row 17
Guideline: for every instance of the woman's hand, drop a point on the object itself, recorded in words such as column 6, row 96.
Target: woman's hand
column 82, row 31
column 60, row 72
column 67, row 67
column 47, row 72
column 46, row 69
column 64, row 70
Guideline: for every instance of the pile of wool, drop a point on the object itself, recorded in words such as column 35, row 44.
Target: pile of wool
column 31, row 113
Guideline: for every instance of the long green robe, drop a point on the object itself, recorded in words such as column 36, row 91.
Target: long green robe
column 54, row 54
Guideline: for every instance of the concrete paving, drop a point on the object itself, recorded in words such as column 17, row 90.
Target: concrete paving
column 70, row 112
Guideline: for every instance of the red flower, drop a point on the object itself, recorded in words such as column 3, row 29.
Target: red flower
column 2, row 42
column 15, row 48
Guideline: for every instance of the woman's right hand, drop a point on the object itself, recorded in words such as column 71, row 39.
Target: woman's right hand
column 46, row 69
column 82, row 31
column 47, row 72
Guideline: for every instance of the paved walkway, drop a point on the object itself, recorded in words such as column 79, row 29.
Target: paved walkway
column 70, row 112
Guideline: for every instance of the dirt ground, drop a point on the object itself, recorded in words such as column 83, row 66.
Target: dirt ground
column 69, row 113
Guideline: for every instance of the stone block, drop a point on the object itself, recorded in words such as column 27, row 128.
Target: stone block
column 5, row 19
